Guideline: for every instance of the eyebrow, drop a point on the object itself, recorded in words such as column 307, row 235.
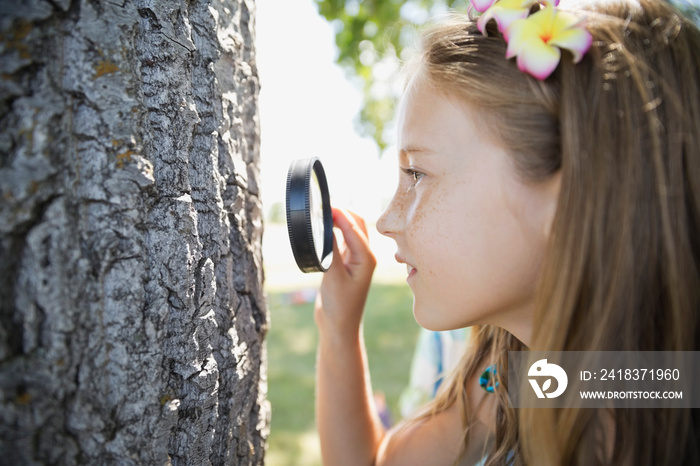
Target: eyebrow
column 412, row 149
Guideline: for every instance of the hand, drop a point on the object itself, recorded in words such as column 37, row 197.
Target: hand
column 344, row 287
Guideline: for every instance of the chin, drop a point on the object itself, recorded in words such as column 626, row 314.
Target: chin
column 434, row 319
column 430, row 319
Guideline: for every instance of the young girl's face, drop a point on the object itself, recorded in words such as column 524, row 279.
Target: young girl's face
column 470, row 231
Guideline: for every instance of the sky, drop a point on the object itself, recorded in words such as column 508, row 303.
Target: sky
column 308, row 108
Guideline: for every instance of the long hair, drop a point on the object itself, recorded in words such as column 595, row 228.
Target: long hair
column 621, row 272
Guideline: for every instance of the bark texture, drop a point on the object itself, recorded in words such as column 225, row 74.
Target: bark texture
column 132, row 316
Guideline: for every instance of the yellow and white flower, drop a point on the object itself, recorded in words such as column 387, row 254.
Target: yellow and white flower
column 538, row 39
column 503, row 11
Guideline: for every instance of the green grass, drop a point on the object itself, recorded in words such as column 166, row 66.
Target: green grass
column 390, row 336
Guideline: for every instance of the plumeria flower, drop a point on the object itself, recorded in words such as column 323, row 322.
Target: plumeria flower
column 482, row 5
column 503, row 11
column 537, row 40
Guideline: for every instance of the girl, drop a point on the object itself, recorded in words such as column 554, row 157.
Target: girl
column 552, row 207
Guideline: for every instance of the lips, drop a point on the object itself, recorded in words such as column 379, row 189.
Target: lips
column 410, row 270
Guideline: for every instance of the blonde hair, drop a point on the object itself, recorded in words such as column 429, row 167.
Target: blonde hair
column 622, row 267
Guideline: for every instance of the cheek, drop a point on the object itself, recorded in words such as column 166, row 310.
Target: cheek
column 471, row 256
column 434, row 229
column 528, row 209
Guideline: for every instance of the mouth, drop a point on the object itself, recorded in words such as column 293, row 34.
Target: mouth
column 410, row 270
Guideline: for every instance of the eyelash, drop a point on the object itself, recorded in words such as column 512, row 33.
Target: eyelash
column 414, row 174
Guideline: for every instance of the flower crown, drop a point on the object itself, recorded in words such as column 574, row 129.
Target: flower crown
column 535, row 39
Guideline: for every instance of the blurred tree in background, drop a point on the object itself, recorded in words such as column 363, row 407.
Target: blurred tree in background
column 373, row 37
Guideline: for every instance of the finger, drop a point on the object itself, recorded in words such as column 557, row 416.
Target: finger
column 337, row 252
column 342, row 246
column 354, row 220
column 355, row 238
column 360, row 221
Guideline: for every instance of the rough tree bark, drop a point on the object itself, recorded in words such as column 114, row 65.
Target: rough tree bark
column 132, row 316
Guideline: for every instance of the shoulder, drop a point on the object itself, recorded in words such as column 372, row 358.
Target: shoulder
column 437, row 439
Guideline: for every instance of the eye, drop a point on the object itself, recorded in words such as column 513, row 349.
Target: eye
column 414, row 174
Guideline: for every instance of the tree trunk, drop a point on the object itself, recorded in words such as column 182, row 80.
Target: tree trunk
column 132, row 316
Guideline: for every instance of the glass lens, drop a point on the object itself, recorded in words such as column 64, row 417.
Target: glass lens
column 316, row 210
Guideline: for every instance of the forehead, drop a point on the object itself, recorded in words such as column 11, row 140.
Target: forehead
column 428, row 117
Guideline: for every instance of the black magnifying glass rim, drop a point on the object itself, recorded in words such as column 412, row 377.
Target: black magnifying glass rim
column 299, row 220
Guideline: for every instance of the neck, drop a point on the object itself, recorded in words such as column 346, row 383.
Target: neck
column 518, row 322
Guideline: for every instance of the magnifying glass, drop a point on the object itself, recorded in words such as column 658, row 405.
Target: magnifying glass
column 309, row 216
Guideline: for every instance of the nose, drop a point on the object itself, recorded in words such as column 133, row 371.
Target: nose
column 389, row 222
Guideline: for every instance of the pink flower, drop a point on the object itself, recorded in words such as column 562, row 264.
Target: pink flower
column 503, row 11
column 482, row 5
column 537, row 40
